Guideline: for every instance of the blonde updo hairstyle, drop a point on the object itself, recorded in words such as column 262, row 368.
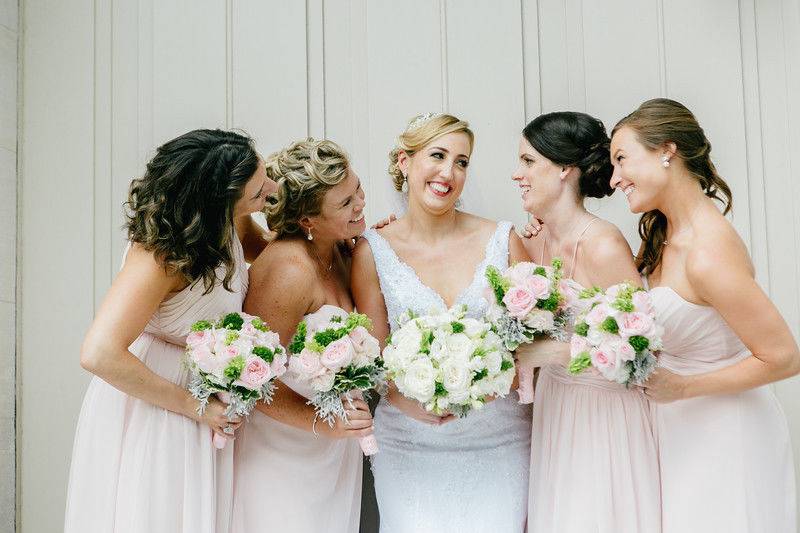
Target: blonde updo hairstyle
column 304, row 172
column 419, row 133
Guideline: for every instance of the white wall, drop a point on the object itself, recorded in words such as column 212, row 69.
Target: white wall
column 105, row 82
column 8, row 256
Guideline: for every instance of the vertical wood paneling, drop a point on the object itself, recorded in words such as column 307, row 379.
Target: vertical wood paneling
column 56, row 296
column 269, row 65
column 692, row 53
column 486, row 88
column 401, row 83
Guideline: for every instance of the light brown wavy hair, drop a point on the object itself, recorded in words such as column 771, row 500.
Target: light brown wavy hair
column 656, row 123
column 181, row 210
column 304, row 171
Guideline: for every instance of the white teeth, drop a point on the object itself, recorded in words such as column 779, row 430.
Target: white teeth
column 628, row 190
column 439, row 187
column 359, row 219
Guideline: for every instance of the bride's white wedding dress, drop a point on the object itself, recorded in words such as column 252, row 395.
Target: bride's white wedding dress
column 470, row 474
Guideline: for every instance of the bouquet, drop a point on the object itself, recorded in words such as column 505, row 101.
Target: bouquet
column 237, row 358
column 447, row 362
column 340, row 360
column 525, row 303
column 616, row 334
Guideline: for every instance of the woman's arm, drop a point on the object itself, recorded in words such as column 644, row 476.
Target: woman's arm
column 719, row 272
column 282, row 309
column 134, row 296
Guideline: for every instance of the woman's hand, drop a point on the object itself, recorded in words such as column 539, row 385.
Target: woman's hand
column 532, row 228
column 664, row 386
column 214, row 417
column 358, row 423
column 414, row 409
column 543, row 352
column 384, row 222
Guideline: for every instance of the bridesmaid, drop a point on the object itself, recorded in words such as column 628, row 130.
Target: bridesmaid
column 723, row 442
column 143, row 458
column 593, row 458
column 292, row 474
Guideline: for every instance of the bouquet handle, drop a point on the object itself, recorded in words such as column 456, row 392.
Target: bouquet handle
column 525, row 388
column 219, row 441
column 369, row 444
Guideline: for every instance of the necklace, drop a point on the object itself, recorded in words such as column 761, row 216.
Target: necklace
column 325, row 269
column 687, row 228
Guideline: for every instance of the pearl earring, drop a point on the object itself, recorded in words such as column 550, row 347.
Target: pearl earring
column 310, row 237
column 665, row 161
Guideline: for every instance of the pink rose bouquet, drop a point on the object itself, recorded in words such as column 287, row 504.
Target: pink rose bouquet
column 340, row 360
column 237, row 358
column 617, row 334
column 526, row 302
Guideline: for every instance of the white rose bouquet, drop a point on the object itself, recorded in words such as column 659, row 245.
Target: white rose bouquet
column 448, row 362
column 340, row 360
column 617, row 334
column 237, row 358
column 525, row 303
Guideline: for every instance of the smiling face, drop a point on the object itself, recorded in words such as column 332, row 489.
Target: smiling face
column 255, row 193
column 437, row 172
column 638, row 171
column 342, row 211
column 539, row 179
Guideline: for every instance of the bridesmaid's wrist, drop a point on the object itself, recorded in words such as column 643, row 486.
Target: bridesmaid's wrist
column 688, row 388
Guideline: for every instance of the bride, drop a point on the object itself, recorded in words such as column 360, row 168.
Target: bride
column 440, row 473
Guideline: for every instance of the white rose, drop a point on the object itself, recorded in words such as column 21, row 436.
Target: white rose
column 408, row 338
column 493, row 361
column 419, row 381
column 456, row 377
column 460, row 346
column 475, row 328
column 539, row 320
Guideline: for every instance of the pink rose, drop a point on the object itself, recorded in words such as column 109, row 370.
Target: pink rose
column 324, row 381
column 518, row 273
column 578, row 345
column 205, row 359
column 635, row 323
column 624, row 350
column 603, row 358
column 570, row 294
column 643, row 304
column 196, row 338
column 519, row 301
column 539, row 286
column 597, row 315
column 306, row 363
column 229, row 352
column 255, row 374
column 337, row 354
column 249, row 329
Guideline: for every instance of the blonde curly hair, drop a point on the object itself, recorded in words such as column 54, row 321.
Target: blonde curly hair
column 304, row 172
column 422, row 130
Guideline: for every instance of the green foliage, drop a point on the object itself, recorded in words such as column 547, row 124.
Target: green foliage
column 230, row 337
column 352, row 377
column 540, row 270
column 480, row 375
column 260, row 325
column 610, row 325
column 299, row 338
column 234, row 368
column 440, row 390
column 425, row 343
column 582, row 329
column 202, row 325
column 264, row 353
column 580, row 363
column 497, row 282
column 231, row 321
column 458, row 327
column 506, row 365
column 549, row 304
column 639, row 343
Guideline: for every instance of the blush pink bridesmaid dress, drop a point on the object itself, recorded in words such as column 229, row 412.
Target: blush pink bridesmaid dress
column 594, row 464
column 138, row 468
column 726, row 460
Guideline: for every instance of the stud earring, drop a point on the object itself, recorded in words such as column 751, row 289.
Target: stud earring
column 665, row 161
